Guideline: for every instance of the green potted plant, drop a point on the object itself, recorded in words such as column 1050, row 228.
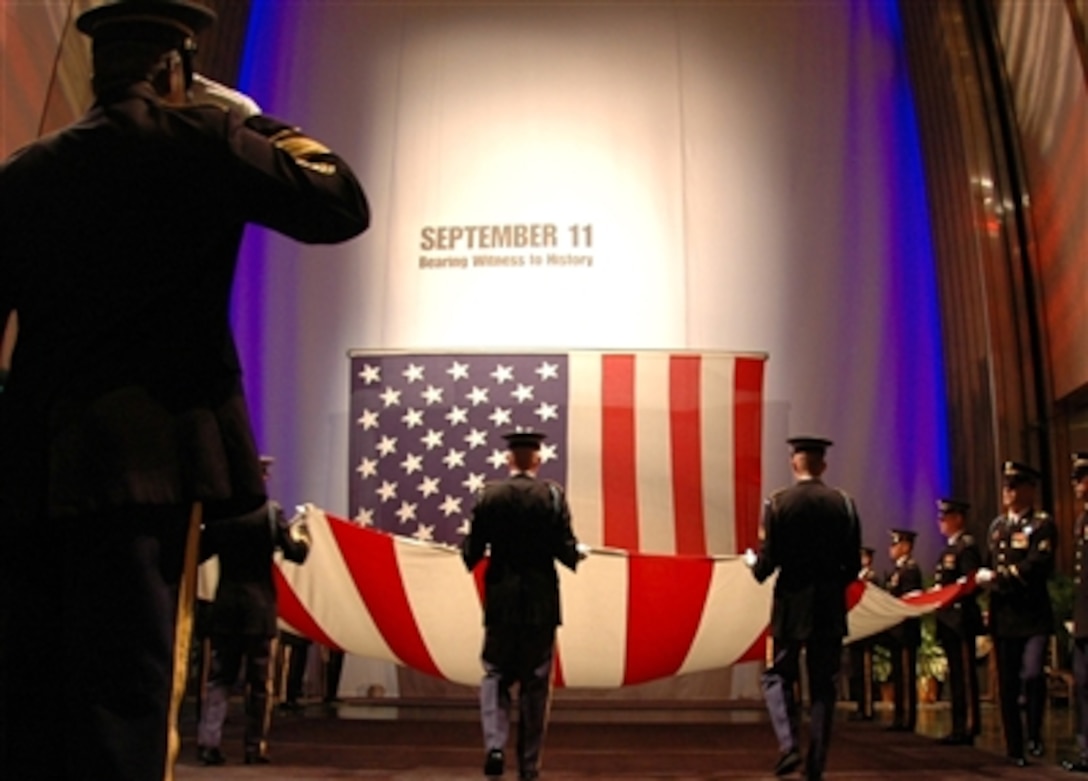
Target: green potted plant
column 932, row 665
column 882, row 671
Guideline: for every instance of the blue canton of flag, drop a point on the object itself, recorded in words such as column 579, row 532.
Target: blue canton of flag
column 427, row 433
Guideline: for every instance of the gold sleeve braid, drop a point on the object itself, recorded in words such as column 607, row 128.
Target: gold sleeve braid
column 302, row 148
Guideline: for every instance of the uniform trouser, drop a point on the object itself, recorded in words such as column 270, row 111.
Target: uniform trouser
column 94, row 644
column 297, row 651
column 904, row 679
column 822, row 661
column 1080, row 675
column 333, row 670
column 522, row 655
column 861, row 675
column 228, row 653
column 1020, row 670
column 959, row 650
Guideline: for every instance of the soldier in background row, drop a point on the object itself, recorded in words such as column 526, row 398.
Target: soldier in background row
column 1021, row 561
column 960, row 622
column 1080, row 613
column 904, row 639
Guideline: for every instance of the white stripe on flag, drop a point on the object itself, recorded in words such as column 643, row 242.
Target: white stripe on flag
column 878, row 610
column 656, row 529
column 443, row 598
column 593, row 638
column 719, row 464
column 584, row 447
column 736, row 612
column 325, row 587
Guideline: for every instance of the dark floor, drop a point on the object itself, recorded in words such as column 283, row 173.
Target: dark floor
column 432, row 742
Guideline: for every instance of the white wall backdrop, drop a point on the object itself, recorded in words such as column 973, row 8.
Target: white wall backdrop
column 749, row 173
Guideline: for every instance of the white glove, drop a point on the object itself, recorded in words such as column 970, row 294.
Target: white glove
column 984, row 575
column 582, row 549
column 206, row 91
column 750, row 558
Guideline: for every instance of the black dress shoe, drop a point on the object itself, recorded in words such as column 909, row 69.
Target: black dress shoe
column 528, row 775
column 787, row 763
column 1077, row 766
column 1018, row 761
column 1035, row 748
column 494, row 762
column 210, row 756
column 257, row 758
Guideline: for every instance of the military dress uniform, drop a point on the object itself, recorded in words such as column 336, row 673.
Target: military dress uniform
column 243, row 622
column 812, row 537
column 124, row 406
column 904, row 639
column 525, row 522
column 958, row 625
column 1021, row 556
column 1080, row 614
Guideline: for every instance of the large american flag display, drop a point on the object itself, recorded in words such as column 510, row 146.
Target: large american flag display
column 659, row 451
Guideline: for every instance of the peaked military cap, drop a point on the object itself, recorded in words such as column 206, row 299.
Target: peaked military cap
column 185, row 16
column 958, row 506
column 524, row 439
column 1080, row 465
column 1014, row 473
column 808, row 444
column 903, row 535
column 267, row 460
column 870, row 552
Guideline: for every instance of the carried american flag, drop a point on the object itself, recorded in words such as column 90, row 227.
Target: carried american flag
column 659, row 451
column 628, row 618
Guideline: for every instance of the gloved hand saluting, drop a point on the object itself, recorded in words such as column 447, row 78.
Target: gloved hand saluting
column 206, row 91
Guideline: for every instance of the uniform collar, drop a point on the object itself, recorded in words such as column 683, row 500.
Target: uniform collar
column 140, row 89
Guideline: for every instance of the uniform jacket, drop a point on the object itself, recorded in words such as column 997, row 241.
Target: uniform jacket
column 526, row 523
column 961, row 557
column 118, row 242
column 1021, row 554
column 812, row 536
column 1080, row 577
column 905, row 578
column 245, row 598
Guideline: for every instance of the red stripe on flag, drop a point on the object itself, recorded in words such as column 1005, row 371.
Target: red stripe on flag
column 291, row 610
column 558, row 681
column 479, row 575
column 757, row 651
column 619, row 474
column 662, row 621
column 747, row 445
column 854, row 592
column 372, row 560
column 685, row 422
column 941, row 597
